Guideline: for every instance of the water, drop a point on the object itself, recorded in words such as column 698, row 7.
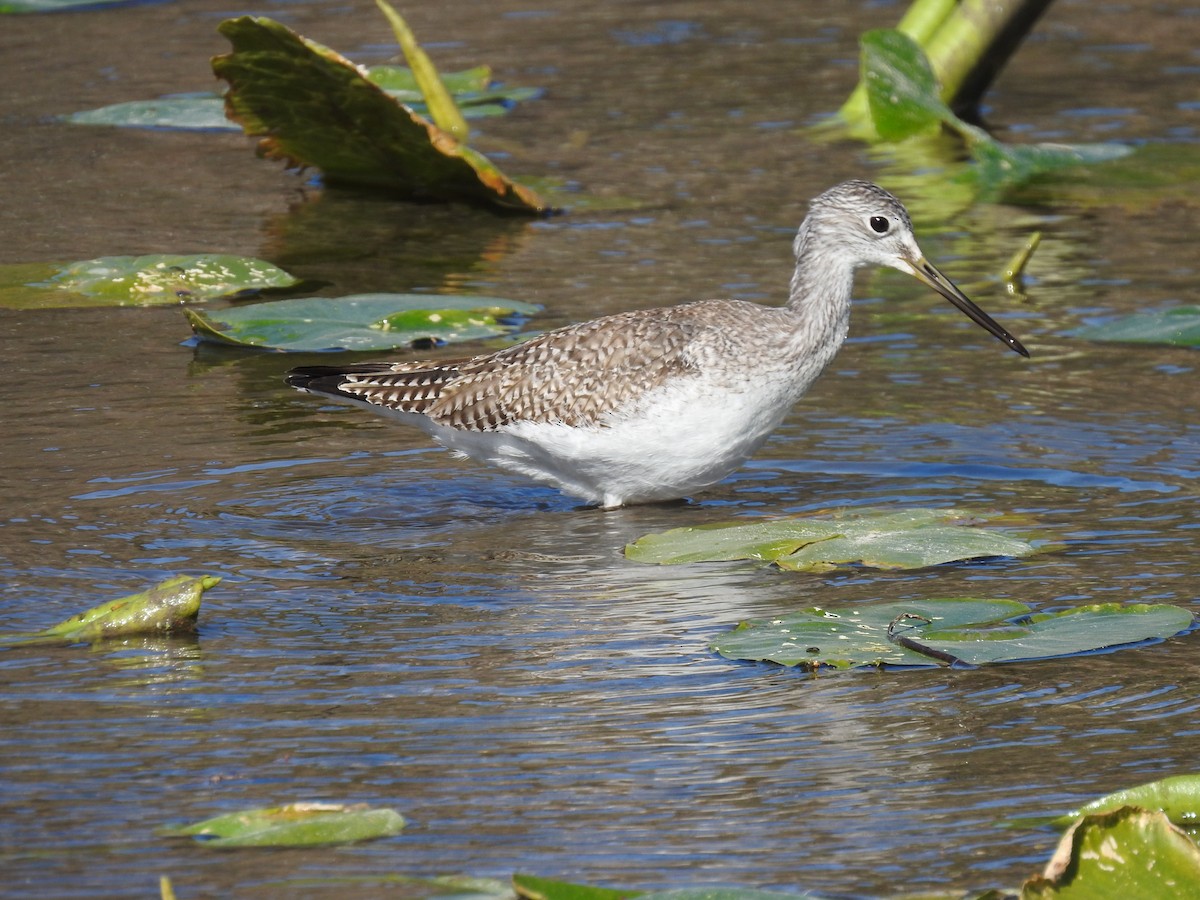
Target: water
column 400, row 628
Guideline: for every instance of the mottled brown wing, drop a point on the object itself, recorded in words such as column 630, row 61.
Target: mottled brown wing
column 406, row 387
column 573, row 375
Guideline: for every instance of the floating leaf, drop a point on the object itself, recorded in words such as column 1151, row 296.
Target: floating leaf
column 1177, row 796
column 169, row 607
column 295, row 825
column 1126, row 853
column 967, row 631
column 1179, row 326
column 313, row 107
column 140, row 281
column 909, row 539
column 201, row 112
column 531, row 887
column 361, row 321
column 205, row 111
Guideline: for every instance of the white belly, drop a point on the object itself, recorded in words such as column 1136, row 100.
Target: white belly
column 675, row 443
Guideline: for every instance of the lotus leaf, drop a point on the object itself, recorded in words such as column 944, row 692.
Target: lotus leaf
column 1126, row 853
column 152, row 280
column 361, row 321
column 1179, row 326
column 295, row 825
column 966, row 632
column 1178, row 796
column 312, row 107
column 909, row 539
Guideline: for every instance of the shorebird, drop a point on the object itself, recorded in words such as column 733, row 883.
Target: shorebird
column 654, row 404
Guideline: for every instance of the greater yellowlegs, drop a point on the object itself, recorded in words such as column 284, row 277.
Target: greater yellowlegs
column 654, row 404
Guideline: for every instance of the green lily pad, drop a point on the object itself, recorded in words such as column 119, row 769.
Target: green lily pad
column 904, row 100
column 1179, row 326
column 910, row 539
column 533, row 887
column 1126, row 853
column 295, row 825
column 361, row 321
column 1177, row 796
column 169, row 607
column 312, row 107
column 530, row 887
column 158, row 279
column 200, row 112
column 928, row 632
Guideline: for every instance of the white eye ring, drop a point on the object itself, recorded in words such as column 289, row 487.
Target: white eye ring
column 879, row 224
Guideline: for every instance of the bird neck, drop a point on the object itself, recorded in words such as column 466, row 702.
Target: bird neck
column 824, row 277
column 820, row 294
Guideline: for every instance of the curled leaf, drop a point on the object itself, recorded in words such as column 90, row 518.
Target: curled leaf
column 169, row 607
column 312, row 107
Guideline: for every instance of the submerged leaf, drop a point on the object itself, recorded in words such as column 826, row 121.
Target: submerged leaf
column 966, row 631
column 361, row 321
column 169, row 607
column 1179, row 326
column 158, row 279
column 295, row 825
column 909, row 539
column 1126, row 853
column 313, row 107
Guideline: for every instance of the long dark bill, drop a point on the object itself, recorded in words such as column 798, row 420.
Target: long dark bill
column 927, row 273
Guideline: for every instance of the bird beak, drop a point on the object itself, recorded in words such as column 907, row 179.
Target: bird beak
column 927, row 273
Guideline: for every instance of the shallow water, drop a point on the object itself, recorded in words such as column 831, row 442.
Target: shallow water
column 401, row 628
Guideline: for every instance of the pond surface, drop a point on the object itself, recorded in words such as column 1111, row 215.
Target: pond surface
column 400, row 628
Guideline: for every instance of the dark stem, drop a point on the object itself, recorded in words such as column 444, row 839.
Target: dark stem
column 948, row 659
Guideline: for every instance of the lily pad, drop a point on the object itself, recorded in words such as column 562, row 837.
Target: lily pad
column 312, row 107
column 910, row 539
column 533, row 887
column 205, row 111
column 967, row 632
column 295, row 825
column 361, row 321
column 1126, row 853
column 1177, row 796
column 197, row 111
column 169, row 607
column 158, row 279
column 1179, row 326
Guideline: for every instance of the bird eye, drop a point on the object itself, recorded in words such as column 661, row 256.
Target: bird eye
column 879, row 224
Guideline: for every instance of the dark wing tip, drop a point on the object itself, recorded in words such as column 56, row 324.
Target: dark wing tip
column 322, row 379
column 329, row 379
